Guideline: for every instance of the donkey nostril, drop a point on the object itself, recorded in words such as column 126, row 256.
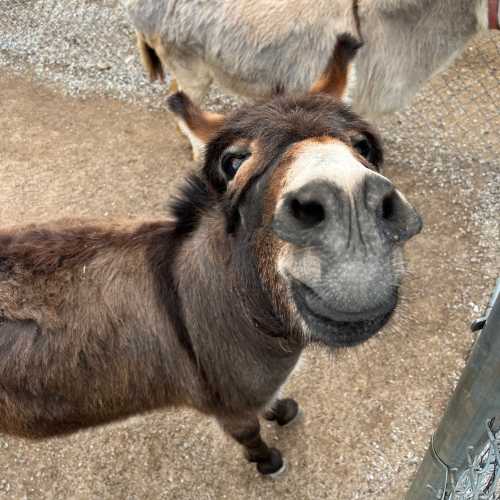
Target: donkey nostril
column 309, row 213
column 388, row 209
column 391, row 214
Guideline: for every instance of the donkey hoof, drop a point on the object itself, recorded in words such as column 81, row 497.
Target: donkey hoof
column 274, row 466
column 279, row 472
column 288, row 411
column 295, row 420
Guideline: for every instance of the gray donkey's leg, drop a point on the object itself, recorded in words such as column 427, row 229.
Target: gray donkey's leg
column 192, row 77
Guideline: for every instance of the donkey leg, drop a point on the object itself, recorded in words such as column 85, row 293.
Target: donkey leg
column 246, row 431
column 174, row 86
column 284, row 411
column 195, row 81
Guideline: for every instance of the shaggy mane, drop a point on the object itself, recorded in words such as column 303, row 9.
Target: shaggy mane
column 189, row 204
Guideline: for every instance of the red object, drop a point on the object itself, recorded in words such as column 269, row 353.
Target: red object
column 493, row 22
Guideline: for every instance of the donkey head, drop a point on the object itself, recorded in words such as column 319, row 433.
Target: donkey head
column 297, row 181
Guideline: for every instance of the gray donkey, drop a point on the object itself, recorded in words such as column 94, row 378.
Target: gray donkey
column 251, row 46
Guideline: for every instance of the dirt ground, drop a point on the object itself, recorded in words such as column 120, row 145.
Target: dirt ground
column 369, row 412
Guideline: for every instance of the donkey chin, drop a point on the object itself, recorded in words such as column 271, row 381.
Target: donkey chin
column 341, row 309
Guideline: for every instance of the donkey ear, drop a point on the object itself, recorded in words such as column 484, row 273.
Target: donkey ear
column 335, row 79
column 200, row 126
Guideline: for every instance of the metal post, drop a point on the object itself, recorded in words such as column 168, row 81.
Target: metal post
column 475, row 400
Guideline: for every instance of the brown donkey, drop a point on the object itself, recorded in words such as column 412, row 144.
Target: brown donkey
column 288, row 235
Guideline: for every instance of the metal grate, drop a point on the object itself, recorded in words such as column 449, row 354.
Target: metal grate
column 480, row 480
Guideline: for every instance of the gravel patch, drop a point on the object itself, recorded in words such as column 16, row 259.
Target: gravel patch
column 84, row 47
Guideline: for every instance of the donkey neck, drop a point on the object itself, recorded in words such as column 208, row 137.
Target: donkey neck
column 230, row 318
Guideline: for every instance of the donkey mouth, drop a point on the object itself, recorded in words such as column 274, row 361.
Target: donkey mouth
column 338, row 328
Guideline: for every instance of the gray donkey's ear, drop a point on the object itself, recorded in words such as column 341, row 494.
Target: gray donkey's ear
column 335, row 80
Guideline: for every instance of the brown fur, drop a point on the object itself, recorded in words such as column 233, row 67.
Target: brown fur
column 74, row 283
column 87, row 334
column 203, row 124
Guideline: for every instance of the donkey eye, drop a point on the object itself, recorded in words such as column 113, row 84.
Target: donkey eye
column 363, row 147
column 231, row 162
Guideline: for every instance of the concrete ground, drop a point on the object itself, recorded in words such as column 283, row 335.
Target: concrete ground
column 369, row 412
